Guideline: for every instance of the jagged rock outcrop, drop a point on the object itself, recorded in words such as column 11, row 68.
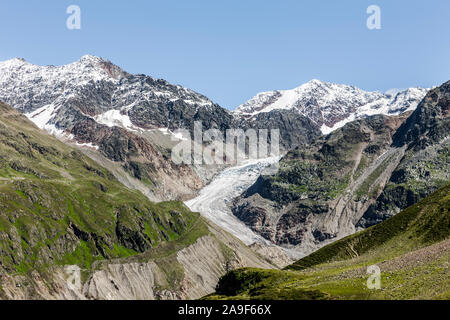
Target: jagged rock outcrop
column 200, row 267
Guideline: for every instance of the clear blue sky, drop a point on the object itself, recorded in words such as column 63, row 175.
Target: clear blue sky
column 231, row 50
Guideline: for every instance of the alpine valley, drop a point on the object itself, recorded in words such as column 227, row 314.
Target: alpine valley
column 87, row 182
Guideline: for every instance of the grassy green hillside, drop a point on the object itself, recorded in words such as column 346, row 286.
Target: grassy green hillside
column 59, row 207
column 412, row 250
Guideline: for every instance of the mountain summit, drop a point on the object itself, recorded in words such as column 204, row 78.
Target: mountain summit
column 331, row 105
column 96, row 82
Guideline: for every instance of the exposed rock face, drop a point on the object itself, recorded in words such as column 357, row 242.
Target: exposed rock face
column 425, row 166
column 295, row 129
column 322, row 190
column 203, row 263
column 273, row 254
column 429, row 123
column 200, row 264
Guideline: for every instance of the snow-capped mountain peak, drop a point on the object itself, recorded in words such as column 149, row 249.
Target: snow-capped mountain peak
column 17, row 71
column 92, row 87
column 13, row 62
column 56, row 97
column 88, row 58
column 332, row 105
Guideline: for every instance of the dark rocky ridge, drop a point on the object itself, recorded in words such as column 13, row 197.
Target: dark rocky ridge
column 425, row 166
column 295, row 129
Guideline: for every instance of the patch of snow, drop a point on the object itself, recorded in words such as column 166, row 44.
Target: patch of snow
column 113, row 118
column 42, row 116
column 57, row 132
column 178, row 135
column 89, row 145
column 326, row 129
column 165, row 131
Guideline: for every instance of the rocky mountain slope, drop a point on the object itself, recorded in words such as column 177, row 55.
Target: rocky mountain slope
column 129, row 119
column 321, row 190
column 411, row 249
column 354, row 177
column 425, row 166
column 58, row 207
column 98, row 106
column 330, row 105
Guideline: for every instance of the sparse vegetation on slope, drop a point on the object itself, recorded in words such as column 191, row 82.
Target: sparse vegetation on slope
column 58, row 207
column 425, row 223
column 412, row 250
column 425, row 165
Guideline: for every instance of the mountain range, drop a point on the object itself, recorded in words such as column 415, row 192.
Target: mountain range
column 127, row 120
column 330, row 106
column 87, row 179
column 356, row 176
